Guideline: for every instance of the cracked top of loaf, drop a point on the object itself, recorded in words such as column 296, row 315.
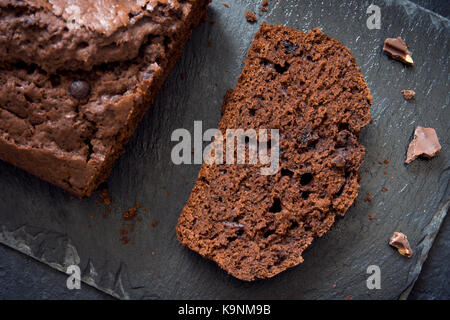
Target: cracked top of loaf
column 69, row 35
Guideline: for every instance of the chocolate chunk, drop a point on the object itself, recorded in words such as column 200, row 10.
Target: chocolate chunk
column 425, row 143
column 338, row 161
column 79, row 89
column 408, row 94
column 400, row 241
column 250, row 16
column 290, row 47
column 397, row 49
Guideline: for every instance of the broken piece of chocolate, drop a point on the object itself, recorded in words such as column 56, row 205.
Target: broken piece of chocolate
column 408, row 94
column 397, row 49
column 425, row 143
column 400, row 241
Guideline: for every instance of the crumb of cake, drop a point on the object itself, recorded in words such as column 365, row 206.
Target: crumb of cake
column 384, row 189
column 128, row 225
column 250, row 16
column 334, row 285
column 155, row 223
column 105, row 196
column 124, row 239
column 129, row 214
column 264, row 3
column 408, row 94
column 226, row 5
column 386, row 163
column 370, row 217
column 348, row 298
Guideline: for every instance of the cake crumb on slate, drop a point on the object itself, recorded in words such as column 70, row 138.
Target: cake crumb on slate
column 408, row 94
column 155, row 223
column 130, row 213
column 250, row 16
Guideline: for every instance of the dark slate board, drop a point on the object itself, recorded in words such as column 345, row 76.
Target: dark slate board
column 46, row 223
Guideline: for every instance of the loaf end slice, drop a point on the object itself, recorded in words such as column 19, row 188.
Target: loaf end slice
column 71, row 135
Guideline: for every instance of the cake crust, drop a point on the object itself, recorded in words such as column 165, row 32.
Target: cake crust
column 309, row 87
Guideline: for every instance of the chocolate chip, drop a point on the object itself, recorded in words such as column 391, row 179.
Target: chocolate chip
column 79, row 89
column 397, row 49
column 290, row 47
column 408, row 94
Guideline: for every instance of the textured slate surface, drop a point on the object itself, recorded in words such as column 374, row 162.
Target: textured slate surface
column 434, row 280
column 22, row 277
column 45, row 223
column 437, row 6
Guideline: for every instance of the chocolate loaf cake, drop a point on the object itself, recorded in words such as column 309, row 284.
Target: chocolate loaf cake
column 76, row 77
column 309, row 87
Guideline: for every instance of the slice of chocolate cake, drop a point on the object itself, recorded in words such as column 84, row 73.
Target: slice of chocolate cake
column 76, row 77
column 309, row 87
